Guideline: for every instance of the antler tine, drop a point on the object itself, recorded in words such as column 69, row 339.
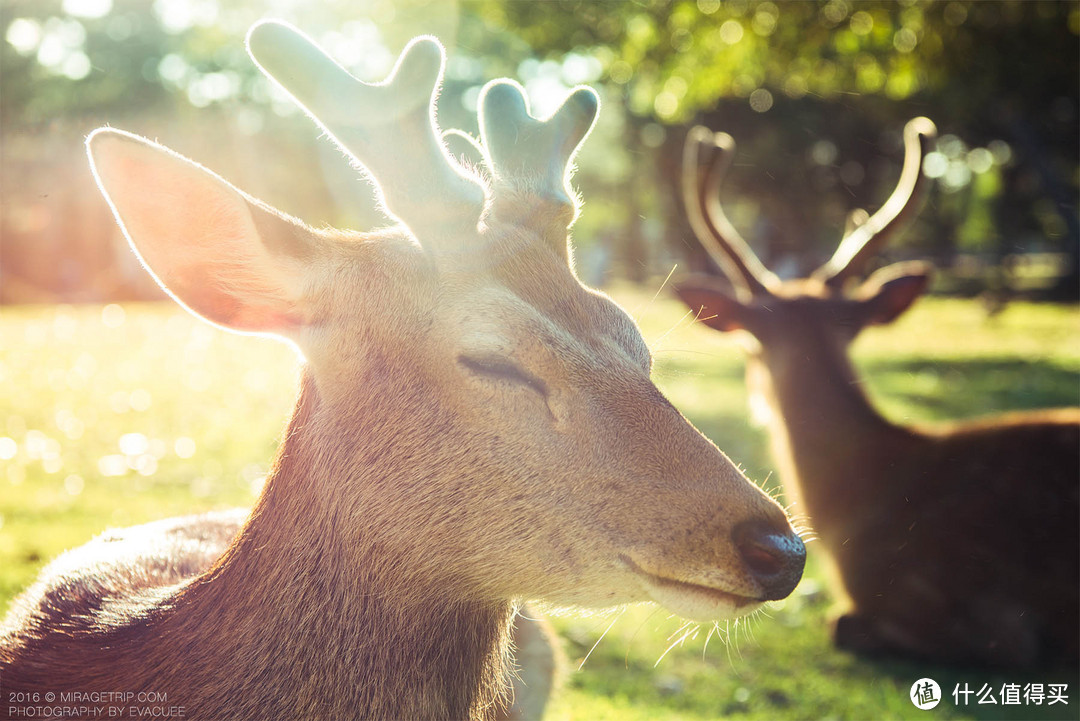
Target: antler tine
column 868, row 237
column 388, row 128
column 534, row 156
column 464, row 149
column 855, row 218
column 701, row 179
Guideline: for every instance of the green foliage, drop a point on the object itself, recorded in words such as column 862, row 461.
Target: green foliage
column 678, row 57
column 119, row 415
column 788, row 80
column 781, row 77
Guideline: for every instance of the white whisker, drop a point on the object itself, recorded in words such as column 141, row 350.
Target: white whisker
column 670, row 330
column 637, row 309
column 580, row 665
column 626, row 659
column 674, row 644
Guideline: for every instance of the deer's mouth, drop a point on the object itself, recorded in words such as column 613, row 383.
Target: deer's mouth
column 692, row 600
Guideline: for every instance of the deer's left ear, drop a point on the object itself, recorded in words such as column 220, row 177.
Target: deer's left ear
column 223, row 255
column 714, row 307
column 890, row 291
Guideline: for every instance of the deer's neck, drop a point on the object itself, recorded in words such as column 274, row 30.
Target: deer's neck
column 827, row 436
column 331, row 620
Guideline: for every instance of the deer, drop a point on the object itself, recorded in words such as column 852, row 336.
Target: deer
column 954, row 543
column 474, row 428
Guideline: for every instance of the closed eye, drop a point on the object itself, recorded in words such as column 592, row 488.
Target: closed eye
column 501, row 369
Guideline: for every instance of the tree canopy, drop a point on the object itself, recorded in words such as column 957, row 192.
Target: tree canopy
column 814, row 92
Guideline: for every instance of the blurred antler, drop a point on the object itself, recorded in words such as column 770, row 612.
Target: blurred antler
column 389, row 128
column 866, row 238
column 706, row 159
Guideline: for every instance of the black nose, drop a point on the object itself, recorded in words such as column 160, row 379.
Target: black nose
column 774, row 557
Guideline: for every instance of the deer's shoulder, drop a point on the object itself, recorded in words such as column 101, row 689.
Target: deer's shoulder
column 122, row 575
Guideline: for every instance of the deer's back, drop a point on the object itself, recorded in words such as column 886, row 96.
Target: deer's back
column 981, row 479
column 1021, row 469
column 983, row 541
column 108, row 588
column 997, row 494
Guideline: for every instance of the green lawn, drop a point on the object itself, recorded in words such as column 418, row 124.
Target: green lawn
column 114, row 416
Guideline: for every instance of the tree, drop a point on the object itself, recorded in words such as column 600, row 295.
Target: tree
column 783, row 77
column 814, row 93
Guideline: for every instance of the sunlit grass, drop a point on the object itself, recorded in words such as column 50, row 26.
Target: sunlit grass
column 117, row 415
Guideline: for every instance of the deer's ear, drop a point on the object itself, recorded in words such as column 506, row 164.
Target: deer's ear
column 713, row 307
column 890, row 291
column 222, row 254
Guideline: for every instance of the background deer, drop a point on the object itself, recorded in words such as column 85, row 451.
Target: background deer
column 954, row 543
column 474, row 427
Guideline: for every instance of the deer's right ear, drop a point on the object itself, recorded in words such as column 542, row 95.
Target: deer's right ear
column 713, row 307
column 222, row 254
column 890, row 291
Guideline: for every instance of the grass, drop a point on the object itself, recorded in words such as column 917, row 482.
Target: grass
column 118, row 415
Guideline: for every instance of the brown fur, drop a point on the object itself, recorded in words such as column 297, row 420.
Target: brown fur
column 417, row 496
column 956, row 543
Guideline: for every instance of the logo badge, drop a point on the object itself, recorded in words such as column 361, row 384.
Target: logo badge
column 925, row 694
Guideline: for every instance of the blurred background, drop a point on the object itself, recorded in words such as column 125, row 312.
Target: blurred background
column 815, row 93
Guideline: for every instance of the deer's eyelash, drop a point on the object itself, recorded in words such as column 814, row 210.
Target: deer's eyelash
column 503, row 370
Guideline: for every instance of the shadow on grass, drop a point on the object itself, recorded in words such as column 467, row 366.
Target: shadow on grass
column 944, row 390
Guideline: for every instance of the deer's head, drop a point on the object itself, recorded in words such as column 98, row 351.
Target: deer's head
column 484, row 420
column 824, row 311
